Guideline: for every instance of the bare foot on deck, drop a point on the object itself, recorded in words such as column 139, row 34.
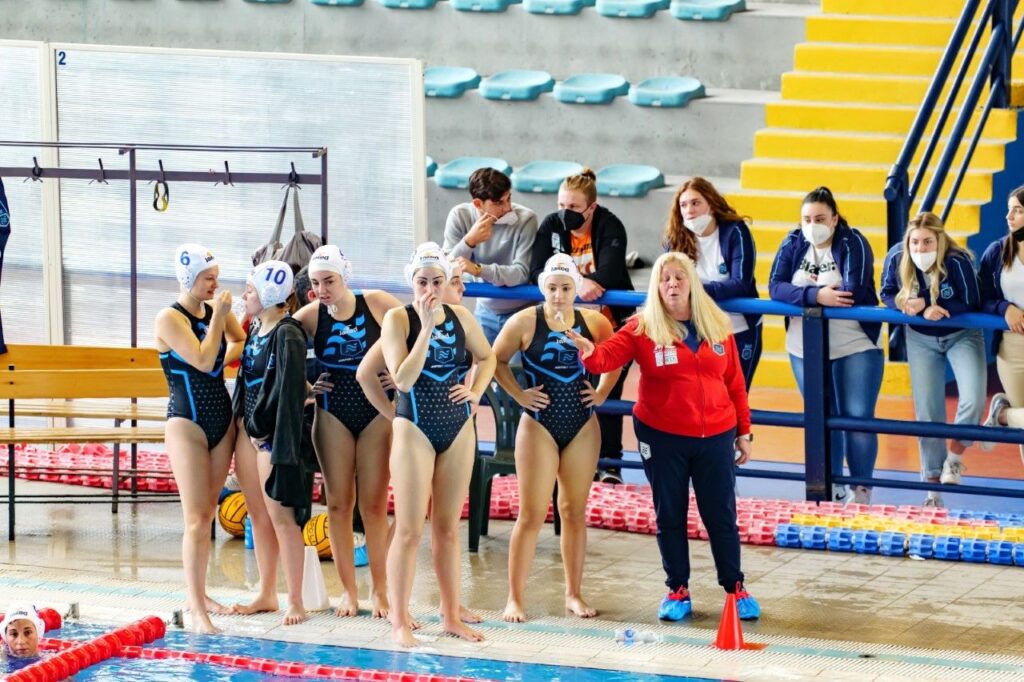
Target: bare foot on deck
column 214, row 606
column 461, row 630
column 577, row 607
column 402, row 636
column 201, row 624
column 294, row 615
column 259, row 605
column 514, row 613
column 348, row 606
column 467, row 616
column 381, row 607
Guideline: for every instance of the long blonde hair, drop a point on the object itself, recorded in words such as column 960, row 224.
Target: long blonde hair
column 654, row 321
column 908, row 271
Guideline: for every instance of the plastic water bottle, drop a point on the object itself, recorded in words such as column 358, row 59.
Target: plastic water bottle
column 248, row 533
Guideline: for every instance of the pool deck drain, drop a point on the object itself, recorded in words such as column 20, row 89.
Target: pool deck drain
column 680, row 649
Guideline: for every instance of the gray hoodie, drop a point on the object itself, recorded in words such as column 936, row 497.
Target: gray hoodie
column 504, row 258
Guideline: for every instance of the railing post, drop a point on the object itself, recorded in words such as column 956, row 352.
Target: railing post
column 897, row 209
column 1002, row 15
column 817, row 402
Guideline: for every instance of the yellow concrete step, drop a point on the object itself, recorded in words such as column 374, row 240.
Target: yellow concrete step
column 892, row 60
column 859, row 210
column 846, row 178
column 879, row 30
column 774, row 371
column 780, row 143
column 869, row 88
column 937, row 9
column 871, row 118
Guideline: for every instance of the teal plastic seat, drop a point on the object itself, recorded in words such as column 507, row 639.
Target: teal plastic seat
column 338, row 3
column 431, row 166
column 449, row 81
column 591, row 88
column 543, row 176
column 706, row 10
column 627, row 180
column 408, row 4
column 269, row 2
column 481, row 5
column 516, row 85
column 455, row 174
column 631, row 9
column 559, row 7
column 666, row 91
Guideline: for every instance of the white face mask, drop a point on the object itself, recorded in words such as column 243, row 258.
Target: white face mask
column 509, row 218
column 924, row 261
column 817, row 233
column 698, row 224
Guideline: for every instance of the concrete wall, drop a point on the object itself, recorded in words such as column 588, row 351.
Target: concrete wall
column 749, row 51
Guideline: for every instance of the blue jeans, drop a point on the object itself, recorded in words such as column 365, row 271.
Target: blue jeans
column 491, row 322
column 856, row 381
column 927, row 355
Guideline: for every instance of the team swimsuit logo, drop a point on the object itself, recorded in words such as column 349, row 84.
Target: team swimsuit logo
column 442, row 344
column 559, row 345
column 347, row 341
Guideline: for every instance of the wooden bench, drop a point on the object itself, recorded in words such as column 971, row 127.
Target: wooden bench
column 86, row 383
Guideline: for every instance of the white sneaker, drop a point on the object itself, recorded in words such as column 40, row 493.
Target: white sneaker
column 951, row 470
column 840, row 494
column 999, row 403
column 861, row 495
column 934, row 500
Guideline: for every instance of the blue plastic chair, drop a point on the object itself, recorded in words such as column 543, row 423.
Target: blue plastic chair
column 449, row 81
column 706, row 10
column 591, row 88
column 627, row 180
column 516, row 85
column 559, row 7
column 481, row 5
column 431, row 166
column 666, row 91
column 631, row 9
column 408, row 4
column 338, row 3
column 455, row 174
column 543, row 176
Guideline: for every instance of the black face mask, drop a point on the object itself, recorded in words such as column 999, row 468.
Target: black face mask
column 573, row 220
column 1018, row 235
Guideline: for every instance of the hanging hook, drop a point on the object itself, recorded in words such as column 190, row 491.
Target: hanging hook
column 227, row 177
column 161, row 192
column 102, row 179
column 293, row 178
column 37, row 172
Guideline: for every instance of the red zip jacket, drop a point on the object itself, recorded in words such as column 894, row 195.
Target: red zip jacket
column 701, row 394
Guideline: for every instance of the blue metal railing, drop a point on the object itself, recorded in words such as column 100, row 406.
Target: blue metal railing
column 816, row 420
column 993, row 69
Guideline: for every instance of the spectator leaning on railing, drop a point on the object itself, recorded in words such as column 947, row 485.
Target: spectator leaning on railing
column 930, row 275
column 825, row 262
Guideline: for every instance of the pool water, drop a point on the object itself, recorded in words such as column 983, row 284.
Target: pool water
column 148, row 670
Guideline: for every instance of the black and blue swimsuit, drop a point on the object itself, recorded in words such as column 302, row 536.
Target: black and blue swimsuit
column 255, row 359
column 552, row 360
column 428, row 404
column 340, row 347
column 200, row 397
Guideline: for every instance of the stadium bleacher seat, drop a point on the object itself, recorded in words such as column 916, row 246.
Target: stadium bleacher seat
column 338, row 3
column 628, row 180
column 666, row 91
column 706, row 10
column 408, row 4
column 455, row 174
column 631, row 9
column 449, row 81
column 431, row 167
column 543, row 176
column 481, row 5
column 591, row 88
column 561, row 7
column 516, row 85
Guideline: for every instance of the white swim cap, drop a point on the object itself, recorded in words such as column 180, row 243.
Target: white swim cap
column 189, row 261
column 560, row 264
column 21, row 612
column 329, row 258
column 272, row 280
column 428, row 255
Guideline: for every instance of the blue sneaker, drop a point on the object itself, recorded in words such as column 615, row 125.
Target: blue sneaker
column 746, row 605
column 676, row 605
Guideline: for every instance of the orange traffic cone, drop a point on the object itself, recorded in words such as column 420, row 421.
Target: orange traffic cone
column 730, row 635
